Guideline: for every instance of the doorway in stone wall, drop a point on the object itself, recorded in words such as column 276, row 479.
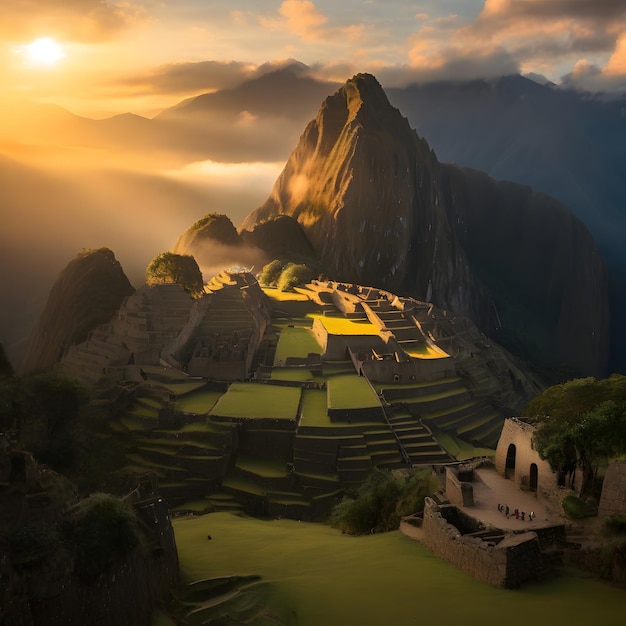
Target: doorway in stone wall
column 534, row 477
column 509, row 466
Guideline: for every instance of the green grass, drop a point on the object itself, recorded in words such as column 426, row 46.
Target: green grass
column 199, row 402
column 296, row 374
column 251, row 400
column 349, row 391
column 314, row 411
column 315, row 575
column 345, row 326
column 267, row 468
column 297, row 342
column 284, row 296
column 459, row 449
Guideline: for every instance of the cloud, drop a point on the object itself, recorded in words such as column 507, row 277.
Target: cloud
column 302, row 19
column 532, row 35
column 617, row 62
column 190, row 77
column 76, row 20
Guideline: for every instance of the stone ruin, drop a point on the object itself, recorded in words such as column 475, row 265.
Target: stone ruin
column 505, row 559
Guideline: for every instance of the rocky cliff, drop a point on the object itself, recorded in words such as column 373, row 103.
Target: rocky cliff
column 87, row 293
column 378, row 208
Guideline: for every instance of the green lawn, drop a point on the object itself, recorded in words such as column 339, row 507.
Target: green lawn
column 297, row 374
column 267, row 468
column 314, row 411
column 313, row 575
column 200, row 401
column 345, row 326
column 251, row 400
column 350, row 391
column 295, row 342
column 284, row 296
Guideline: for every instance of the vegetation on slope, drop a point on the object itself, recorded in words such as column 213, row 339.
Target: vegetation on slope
column 382, row 500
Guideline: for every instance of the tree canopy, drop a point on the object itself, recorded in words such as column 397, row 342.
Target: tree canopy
column 381, row 502
column 579, row 424
column 285, row 275
column 183, row 269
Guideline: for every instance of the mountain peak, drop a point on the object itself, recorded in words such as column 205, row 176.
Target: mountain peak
column 379, row 209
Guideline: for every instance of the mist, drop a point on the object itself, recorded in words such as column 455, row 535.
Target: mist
column 74, row 200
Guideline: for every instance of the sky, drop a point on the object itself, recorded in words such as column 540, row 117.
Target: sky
column 144, row 55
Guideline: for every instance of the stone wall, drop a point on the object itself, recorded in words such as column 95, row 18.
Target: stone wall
column 517, row 436
column 613, row 498
column 460, row 493
column 503, row 560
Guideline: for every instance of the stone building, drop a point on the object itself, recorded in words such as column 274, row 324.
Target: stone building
column 613, row 498
column 518, row 460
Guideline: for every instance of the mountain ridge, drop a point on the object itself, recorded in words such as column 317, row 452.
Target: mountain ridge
column 379, row 208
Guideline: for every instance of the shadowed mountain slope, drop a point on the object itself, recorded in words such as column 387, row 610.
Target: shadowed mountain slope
column 378, row 208
column 87, row 293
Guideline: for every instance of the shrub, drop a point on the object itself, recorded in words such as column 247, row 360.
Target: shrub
column 103, row 530
column 294, row 275
column 615, row 525
column 575, row 508
column 381, row 502
column 271, row 273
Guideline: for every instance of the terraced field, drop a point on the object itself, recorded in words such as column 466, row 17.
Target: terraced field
column 290, row 441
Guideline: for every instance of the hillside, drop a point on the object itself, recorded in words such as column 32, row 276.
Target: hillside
column 87, row 293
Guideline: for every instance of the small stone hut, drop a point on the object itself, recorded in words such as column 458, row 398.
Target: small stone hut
column 518, row 460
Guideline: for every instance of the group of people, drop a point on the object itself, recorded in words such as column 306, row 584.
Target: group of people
column 504, row 508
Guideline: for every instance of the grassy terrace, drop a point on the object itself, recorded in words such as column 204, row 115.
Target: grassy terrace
column 295, row 342
column 200, row 401
column 267, row 468
column 285, row 296
column 452, row 381
column 344, row 326
column 295, row 374
column 459, row 449
column 424, row 351
column 350, row 391
column 313, row 411
column 250, row 400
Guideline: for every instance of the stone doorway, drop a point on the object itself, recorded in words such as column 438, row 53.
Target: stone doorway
column 509, row 467
column 534, row 477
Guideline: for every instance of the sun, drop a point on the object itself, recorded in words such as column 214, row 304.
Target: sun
column 44, row 51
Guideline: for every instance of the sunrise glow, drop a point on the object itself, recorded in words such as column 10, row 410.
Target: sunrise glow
column 44, row 51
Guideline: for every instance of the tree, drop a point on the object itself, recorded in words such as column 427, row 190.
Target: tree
column 103, row 529
column 579, row 424
column 381, row 501
column 183, row 269
column 294, row 275
column 271, row 273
